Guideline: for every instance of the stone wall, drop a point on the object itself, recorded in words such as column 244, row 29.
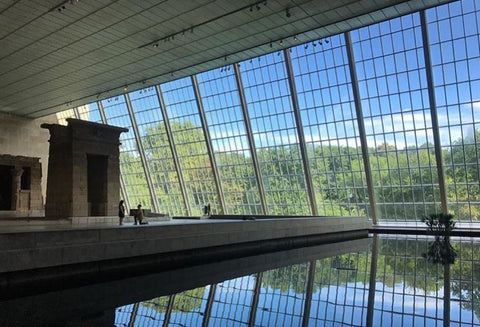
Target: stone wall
column 73, row 149
column 21, row 136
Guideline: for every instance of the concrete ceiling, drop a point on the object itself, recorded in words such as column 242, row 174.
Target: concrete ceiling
column 56, row 55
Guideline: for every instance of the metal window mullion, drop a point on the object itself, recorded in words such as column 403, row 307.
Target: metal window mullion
column 251, row 143
column 208, row 141
column 146, row 167
column 208, row 308
column 256, row 295
column 123, row 188
column 361, row 127
column 133, row 316
column 77, row 113
column 309, row 293
column 168, row 312
column 300, row 133
column 178, row 168
column 433, row 113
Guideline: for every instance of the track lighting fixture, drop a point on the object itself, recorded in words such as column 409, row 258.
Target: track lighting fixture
column 63, row 6
column 295, row 38
column 281, row 42
column 255, row 5
column 287, row 13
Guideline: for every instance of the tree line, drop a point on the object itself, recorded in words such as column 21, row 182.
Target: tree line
column 405, row 180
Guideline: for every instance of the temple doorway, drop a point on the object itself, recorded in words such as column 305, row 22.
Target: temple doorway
column 6, row 187
column 97, row 184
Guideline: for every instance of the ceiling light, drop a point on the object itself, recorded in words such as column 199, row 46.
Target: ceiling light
column 125, row 88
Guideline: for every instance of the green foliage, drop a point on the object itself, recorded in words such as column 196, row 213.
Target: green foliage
column 439, row 223
column 186, row 301
column 406, row 183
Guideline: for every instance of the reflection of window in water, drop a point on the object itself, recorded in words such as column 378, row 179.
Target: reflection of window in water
column 408, row 290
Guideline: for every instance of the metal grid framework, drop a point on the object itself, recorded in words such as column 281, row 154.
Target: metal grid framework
column 454, row 45
column 340, row 290
column 157, row 149
column 90, row 112
column 150, row 313
column 409, row 289
column 189, row 140
column 389, row 60
column 282, row 296
column 232, row 302
column 393, row 89
column 123, row 315
column 62, row 116
column 188, row 307
column 131, row 167
column 329, row 121
column 269, row 106
column 465, row 283
column 229, row 140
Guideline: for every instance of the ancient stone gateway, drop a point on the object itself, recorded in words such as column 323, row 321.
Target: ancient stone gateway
column 83, row 169
column 20, row 185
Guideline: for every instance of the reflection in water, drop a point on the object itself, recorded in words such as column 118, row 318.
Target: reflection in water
column 408, row 291
column 441, row 251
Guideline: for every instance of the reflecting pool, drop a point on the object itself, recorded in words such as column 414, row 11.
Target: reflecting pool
column 385, row 282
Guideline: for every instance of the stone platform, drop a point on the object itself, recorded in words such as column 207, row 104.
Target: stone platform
column 32, row 255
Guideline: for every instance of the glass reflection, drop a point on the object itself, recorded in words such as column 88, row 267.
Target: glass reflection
column 408, row 290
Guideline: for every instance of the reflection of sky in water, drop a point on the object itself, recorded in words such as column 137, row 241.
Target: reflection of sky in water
column 408, row 292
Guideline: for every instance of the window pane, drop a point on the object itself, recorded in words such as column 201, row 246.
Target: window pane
column 189, row 140
column 274, row 133
column 230, row 143
column 397, row 121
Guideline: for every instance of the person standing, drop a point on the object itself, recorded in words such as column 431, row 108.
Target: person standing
column 121, row 212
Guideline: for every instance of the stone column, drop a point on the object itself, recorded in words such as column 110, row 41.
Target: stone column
column 16, row 183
